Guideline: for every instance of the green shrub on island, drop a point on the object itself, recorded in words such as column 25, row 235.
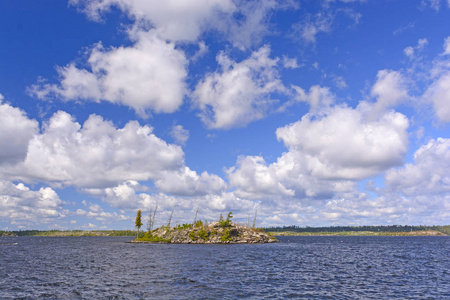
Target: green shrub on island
column 183, row 226
column 226, row 236
column 198, row 223
column 203, row 234
column 225, row 223
column 193, row 235
column 148, row 237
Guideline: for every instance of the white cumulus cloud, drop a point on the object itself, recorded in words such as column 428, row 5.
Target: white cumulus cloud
column 96, row 154
column 147, row 76
column 438, row 94
column 344, row 144
column 319, row 98
column 242, row 23
column 16, row 132
column 186, row 182
column 127, row 196
column 19, row 202
column 255, row 179
column 428, row 175
column 173, row 20
column 240, row 92
column 390, row 90
column 327, row 155
column 248, row 24
column 97, row 212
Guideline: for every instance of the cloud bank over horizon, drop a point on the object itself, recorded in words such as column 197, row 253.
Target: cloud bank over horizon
column 284, row 109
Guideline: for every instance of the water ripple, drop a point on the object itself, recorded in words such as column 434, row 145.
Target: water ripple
column 298, row 267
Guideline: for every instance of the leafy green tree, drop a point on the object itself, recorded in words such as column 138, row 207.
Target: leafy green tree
column 225, row 223
column 138, row 220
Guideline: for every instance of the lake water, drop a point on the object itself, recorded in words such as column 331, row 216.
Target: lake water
column 298, row 267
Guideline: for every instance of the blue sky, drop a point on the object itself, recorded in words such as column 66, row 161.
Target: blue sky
column 310, row 113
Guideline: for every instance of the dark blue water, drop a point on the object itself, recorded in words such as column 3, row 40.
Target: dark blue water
column 298, row 267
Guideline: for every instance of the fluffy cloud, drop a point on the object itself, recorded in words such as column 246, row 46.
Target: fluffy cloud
column 150, row 75
column 358, row 209
column 243, row 23
column 353, row 207
column 240, row 93
column 327, row 154
column 254, row 179
column 288, row 177
column 319, row 98
column 410, row 52
column 146, row 76
column 313, row 25
column 172, row 19
column 95, row 211
column 95, row 154
column 127, row 196
column 290, row 63
column 18, row 202
column 390, row 90
column 248, row 24
column 447, row 45
column 179, row 134
column 339, row 81
column 343, row 144
column 124, row 196
column 186, row 182
column 16, row 131
column 432, row 76
column 439, row 95
column 428, row 175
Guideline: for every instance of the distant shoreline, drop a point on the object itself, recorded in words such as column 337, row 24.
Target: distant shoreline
column 69, row 233
column 391, row 230
column 275, row 234
column 364, row 230
column 360, row 233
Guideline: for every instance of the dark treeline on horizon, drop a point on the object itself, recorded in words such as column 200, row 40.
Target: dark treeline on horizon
column 35, row 232
column 382, row 228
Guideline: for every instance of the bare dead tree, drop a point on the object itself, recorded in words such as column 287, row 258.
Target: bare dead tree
column 195, row 219
column 170, row 220
column 151, row 221
column 254, row 219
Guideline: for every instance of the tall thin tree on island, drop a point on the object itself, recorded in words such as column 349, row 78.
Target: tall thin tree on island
column 138, row 221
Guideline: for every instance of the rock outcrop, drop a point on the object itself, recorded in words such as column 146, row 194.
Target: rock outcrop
column 212, row 233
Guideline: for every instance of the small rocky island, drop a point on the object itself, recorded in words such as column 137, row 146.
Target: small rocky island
column 221, row 232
